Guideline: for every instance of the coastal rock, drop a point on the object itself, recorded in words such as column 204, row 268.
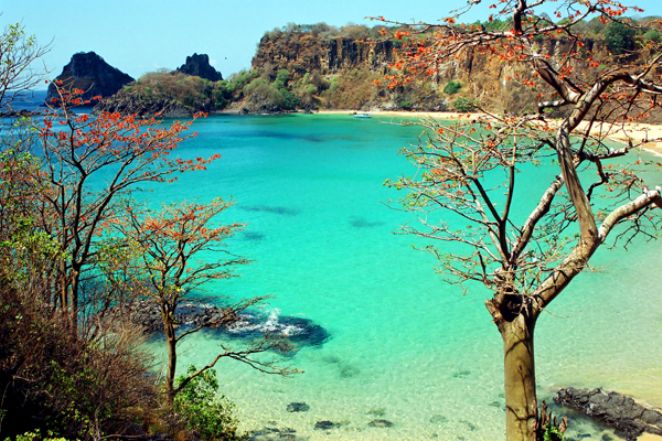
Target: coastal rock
column 198, row 65
column 229, row 322
column 618, row 411
column 298, row 407
column 89, row 72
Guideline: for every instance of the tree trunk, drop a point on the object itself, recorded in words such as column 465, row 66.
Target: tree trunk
column 520, row 379
column 171, row 343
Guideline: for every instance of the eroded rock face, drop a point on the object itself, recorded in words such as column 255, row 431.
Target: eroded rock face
column 89, row 72
column 198, row 65
column 618, row 411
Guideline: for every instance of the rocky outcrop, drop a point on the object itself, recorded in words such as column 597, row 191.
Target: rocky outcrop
column 628, row 417
column 89, row 72
column 198, row 65
column 307, row 52
column 230, row 322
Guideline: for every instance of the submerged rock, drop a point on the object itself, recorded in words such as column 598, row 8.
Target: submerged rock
column 298, row 407
column 229, row 322
column 618, row 411
column 274, row 434
column 381, row 423
column 326, row 425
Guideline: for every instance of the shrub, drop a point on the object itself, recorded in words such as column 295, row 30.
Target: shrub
column 452, row 87
column 652, row 35
column 463, row 104
column 203, row 411
column 619, row 37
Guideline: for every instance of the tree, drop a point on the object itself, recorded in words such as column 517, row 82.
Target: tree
column 165, row 266
column 88, row 164
column 470, row 170
column 620, row 37
column 18, row 52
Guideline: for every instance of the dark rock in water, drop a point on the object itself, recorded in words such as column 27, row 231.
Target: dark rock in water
column 274, row 434
column 381, row 423
column 463, row 373
column 621, row 412
column 299, row 331
column 245, row 325
column 198, row 65
column 147, row 315
column 470, row 426
column 326, row 425
column 89, row 72
column 298, row 407
column 438, row 419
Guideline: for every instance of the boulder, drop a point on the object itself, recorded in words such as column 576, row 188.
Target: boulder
column 628, row 417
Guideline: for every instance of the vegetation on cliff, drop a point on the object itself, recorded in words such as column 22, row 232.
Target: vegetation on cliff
column 309, row 67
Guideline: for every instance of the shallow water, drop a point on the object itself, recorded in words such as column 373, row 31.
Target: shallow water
column 403, row 346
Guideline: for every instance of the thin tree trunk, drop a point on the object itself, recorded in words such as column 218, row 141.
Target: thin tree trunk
column 171, row 343
column 520, row 379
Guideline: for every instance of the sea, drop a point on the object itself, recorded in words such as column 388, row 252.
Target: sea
column 388, row 349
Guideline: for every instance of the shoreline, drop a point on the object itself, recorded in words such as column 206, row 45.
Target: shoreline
column 649, row 136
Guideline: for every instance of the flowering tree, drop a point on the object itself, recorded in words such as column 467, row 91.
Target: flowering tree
column 89, row 162
column 470, row 170
column 167, row 264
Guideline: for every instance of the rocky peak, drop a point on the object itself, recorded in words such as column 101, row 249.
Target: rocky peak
column 198, row 65
column 89, row 72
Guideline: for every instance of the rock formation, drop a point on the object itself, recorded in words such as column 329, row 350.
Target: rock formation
column 198, row 65
column 89, row 72
column 620, row 412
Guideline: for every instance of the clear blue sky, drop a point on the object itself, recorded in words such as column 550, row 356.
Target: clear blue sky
column 139, row 36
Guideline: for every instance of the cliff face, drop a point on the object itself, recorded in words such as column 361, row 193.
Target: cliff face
column 198, row 65
column 303, row 52
column 89, row 72
column 351, row 65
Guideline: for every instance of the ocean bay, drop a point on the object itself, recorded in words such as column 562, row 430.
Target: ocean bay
column 403, row 345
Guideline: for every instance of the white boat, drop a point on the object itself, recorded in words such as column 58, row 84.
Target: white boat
column 362, row 115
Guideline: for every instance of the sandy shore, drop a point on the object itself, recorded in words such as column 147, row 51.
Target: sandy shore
column 648, row 135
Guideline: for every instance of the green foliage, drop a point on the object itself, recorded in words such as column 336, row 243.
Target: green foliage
column 38, row 436
column 452, row 87
column 263, row 95
column 652, row 35
column 553, row 434
column 464, row 104
column 206, row 413
column 619, row 37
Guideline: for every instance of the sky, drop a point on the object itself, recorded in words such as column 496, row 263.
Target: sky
column 139, row 36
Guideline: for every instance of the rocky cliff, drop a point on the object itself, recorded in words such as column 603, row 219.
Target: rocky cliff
column 301, row 52
column 89, row 72
column 198, row 65
column 350, row 62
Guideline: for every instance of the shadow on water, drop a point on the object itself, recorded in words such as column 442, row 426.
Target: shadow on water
column 272, row 134
column 271, row 209
column 361, row 222
column 253, row 236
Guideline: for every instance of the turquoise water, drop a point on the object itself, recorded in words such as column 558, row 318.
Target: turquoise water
column 403, row 346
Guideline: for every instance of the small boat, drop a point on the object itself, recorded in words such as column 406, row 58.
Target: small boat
column 362, row 115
